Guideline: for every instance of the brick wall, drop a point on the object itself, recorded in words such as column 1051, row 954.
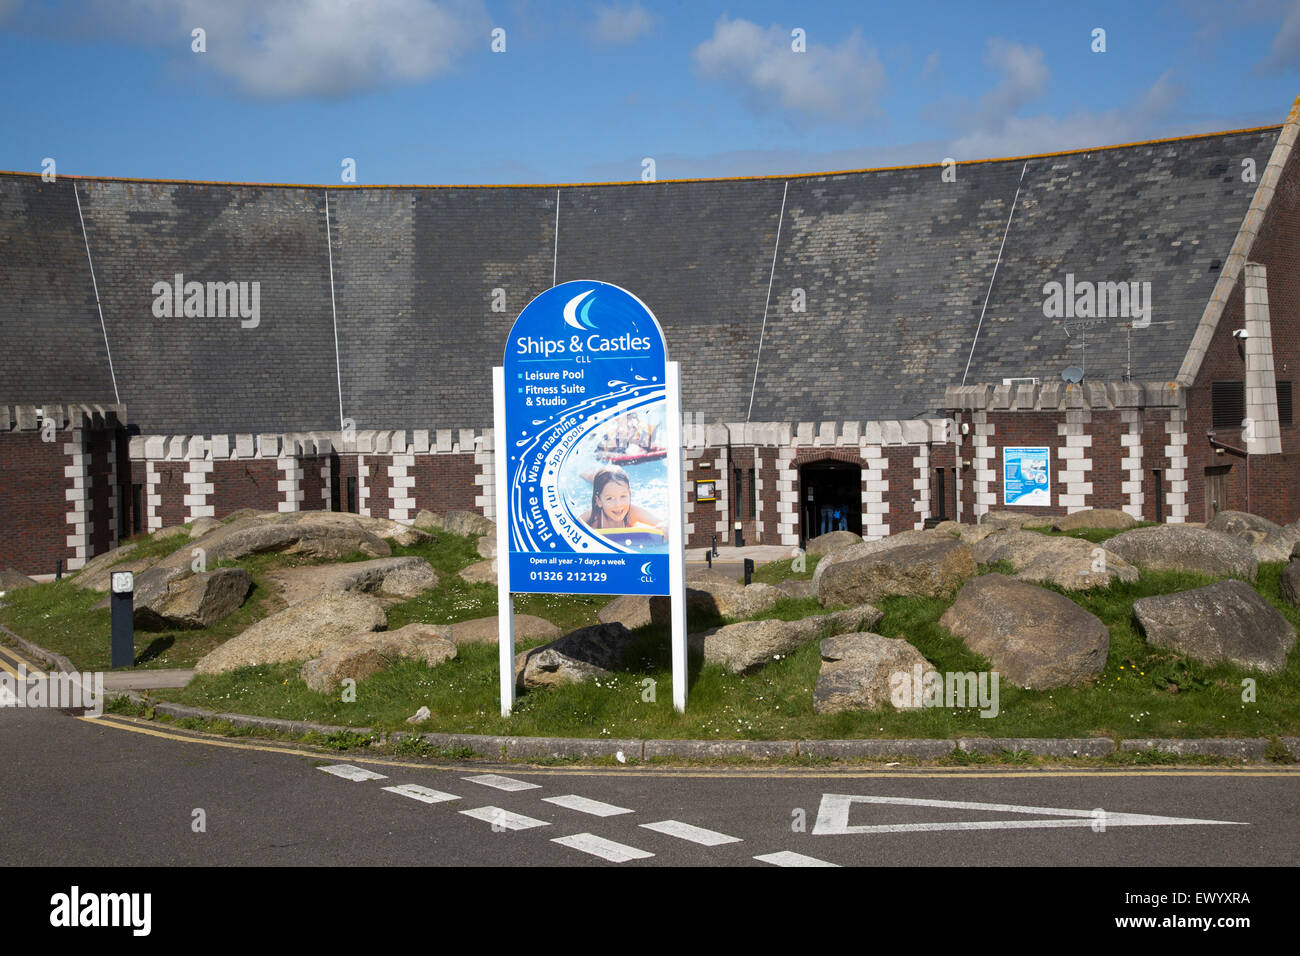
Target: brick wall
column 1277, row 249
column 442, row 483
column 1031, row 429
column 244, row 483
column 33, row 508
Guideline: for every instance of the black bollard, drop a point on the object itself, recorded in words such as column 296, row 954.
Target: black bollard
column 749, row 570
column 122, row 619
column 708, row 557
column 715, row 545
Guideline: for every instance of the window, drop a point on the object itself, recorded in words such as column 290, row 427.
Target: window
column 137, row 509
column 1284, row 403
column 1227, row 404
column 352, row 495
column 753, row 495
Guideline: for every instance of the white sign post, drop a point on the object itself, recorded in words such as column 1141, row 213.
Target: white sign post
column 588, row 461
column 505, row 604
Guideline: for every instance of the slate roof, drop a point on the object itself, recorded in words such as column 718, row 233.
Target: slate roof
column 894, row 267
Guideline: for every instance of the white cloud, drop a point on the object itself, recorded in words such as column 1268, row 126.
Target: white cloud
column 838, row 82
column 287, row 48
column 617, row 25
column 1284, row 51
column 1145, row 117
column 1024, row 79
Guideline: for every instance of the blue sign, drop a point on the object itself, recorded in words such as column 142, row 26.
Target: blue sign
column 1026, row 476
column 586, row 439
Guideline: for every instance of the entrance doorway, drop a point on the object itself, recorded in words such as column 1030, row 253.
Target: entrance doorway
column 1216, row 490
column 825, row 488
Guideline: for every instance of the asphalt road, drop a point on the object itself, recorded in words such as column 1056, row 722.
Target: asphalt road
column 80, row 792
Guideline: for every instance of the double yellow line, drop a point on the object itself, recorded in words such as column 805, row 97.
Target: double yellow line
column 11, row 660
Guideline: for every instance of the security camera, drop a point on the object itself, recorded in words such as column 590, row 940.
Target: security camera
column 1241, row 334
column 965, row 428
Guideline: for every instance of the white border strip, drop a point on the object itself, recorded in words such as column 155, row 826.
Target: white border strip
column 103, row 328
column 334, row 312
column 768, row 301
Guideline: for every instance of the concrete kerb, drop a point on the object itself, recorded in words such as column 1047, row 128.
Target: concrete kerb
column 543, row 748
column 1246, row 749
column 56, row 661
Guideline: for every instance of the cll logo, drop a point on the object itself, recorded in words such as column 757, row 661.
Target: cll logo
column 75, row 909
column 213, row 300
column 646, row 576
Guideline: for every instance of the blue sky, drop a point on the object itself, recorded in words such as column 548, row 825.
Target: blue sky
column 585, row 91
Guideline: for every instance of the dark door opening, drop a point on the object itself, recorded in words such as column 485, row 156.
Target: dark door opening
column 830, row 498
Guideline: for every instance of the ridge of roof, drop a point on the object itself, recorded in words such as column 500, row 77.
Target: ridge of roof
column 635, row 182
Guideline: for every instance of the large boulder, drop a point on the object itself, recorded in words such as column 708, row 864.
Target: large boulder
column 362, row 655
column 1069, row 563
column 427, row 521
column 834, row 541
column 1269, row 541
column 483, row 630
column 934, row 568
column 94, row 574
column 397, row 577
column 331, row 537
column 729, row 598
column 748, row 645
column 636, row 610
column 202, row 526
column 797, row 588
column 1226, row 622
column 195, row 601
column 468, row 523
column 582, row 655
column 1289, row 585
column 297, row 633
column 12, row 580
column 487, row 546
column 888, row 543
column 1174, row 548
column 386, row 528
column 1101, row 518
column 856, row 671
column 1034, row 637
column 1013, row 519
column 482, row 572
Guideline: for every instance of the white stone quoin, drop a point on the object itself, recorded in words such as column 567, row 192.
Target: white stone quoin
column 1263, row 434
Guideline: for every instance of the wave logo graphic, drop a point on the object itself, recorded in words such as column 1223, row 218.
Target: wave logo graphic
column 646, row 575
column 577, row 311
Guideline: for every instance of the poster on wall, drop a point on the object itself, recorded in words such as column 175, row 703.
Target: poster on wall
column 587, row 444
column 1026, row 476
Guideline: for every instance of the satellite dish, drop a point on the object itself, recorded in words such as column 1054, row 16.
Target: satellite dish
column 1072, row 374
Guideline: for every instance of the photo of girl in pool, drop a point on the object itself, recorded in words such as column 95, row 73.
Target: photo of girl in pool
column 611, row 503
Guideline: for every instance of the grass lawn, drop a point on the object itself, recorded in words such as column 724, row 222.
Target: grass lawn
column 1142, row 692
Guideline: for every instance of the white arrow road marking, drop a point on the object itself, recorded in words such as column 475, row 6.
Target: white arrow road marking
column 833, row 817
column 504, row 818
column 786, row 858
column 348, row 772
column 498, row 782
column 423, row 794
column 605, row 849
column 684, row 831
column 583, row 805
